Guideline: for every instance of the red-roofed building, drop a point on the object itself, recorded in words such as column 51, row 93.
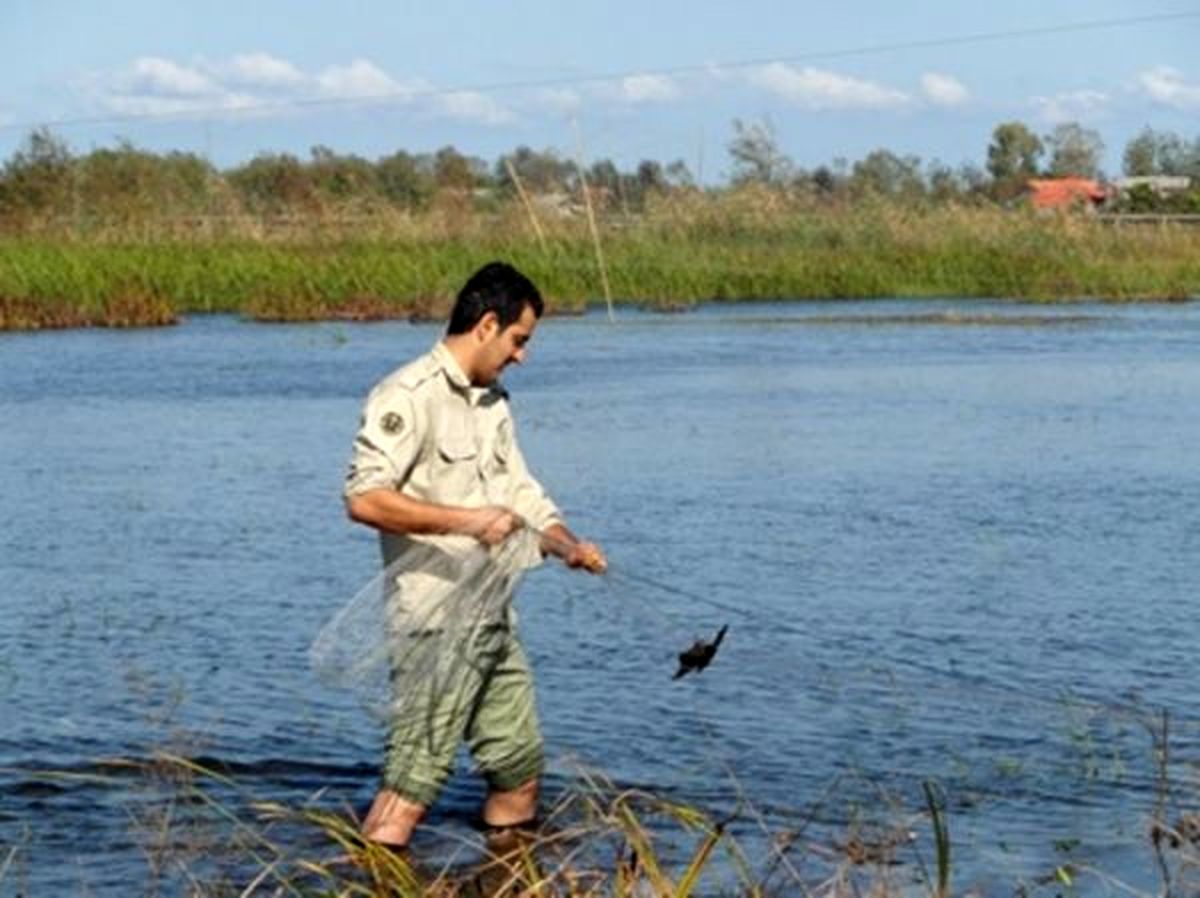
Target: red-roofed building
column 1063, row 193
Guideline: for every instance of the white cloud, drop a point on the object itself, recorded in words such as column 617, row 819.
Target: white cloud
column 268, row 85
column 647, row 89
column 943, row 90
column 265, row 70
column 155, row 76
column 152, row 85
column 473, row 106
column 1165, row 85
column 1072, row 105
column 362, row 78
column 822, row 89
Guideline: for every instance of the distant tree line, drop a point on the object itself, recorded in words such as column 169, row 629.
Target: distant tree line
column 44, row 179
column 1014, row 155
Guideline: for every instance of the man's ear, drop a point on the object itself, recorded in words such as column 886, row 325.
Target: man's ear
column 488, row 326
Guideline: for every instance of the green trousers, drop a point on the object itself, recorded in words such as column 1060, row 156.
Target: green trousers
column 475, row 689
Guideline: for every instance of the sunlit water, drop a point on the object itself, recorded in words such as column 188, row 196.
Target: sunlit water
column 947, row 551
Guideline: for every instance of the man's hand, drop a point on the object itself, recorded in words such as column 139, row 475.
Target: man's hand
column 492, row 524
column 588, row 557
column 558, row 540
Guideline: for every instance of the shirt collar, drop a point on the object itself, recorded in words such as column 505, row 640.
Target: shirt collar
column 449, row 364
column 454, row 373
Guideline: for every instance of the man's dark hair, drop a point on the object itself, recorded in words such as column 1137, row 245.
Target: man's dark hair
column 496, row 287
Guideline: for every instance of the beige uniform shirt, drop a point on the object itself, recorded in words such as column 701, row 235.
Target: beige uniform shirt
column 427, row 432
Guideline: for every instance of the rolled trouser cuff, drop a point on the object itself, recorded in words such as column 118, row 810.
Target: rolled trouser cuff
column 516, row 770
column 419, row 791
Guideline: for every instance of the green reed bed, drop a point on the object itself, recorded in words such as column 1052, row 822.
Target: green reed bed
column 202, row 833
column 738, row 247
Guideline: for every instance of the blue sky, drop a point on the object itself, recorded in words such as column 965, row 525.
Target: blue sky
column 624, row 80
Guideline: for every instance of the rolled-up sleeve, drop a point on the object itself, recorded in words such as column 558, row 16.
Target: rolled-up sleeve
column 387, row 442
column 530, row 500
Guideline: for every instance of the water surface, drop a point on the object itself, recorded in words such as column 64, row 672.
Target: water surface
column 947, row 547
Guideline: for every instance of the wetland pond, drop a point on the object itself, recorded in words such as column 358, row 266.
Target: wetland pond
column 960, row 541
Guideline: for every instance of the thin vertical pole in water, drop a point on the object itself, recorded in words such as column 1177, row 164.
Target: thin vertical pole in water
column 537, row 226
column 591, row 215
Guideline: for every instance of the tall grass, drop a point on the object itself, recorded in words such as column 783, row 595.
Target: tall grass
column 689, row 247
column 596, row 839
column 202, row 833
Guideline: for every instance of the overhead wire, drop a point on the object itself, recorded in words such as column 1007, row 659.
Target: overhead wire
column 409, row 94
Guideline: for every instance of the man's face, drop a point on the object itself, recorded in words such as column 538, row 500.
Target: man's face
column 501, row 348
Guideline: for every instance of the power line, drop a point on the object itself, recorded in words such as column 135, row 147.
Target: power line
column 409, row 95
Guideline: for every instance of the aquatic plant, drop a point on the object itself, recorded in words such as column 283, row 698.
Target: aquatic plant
column 687, row 247
column 203, row 833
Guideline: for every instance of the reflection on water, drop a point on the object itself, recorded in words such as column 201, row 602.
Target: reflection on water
column 958, row 553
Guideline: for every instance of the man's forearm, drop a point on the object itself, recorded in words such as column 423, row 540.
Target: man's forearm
column 558, row 540
column 395, row 512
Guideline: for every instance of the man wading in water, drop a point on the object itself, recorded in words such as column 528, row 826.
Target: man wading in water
column 436, row 464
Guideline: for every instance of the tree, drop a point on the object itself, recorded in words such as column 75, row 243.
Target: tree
column 542, row 172
column 650, row 177
column 823, row 179
column 679, row 175
column 453, row 171
column 1161, row 153
column 127, row 182
column 944, row 182
column 973, row 178
column 341, row 177
column 38, row 176
column 1013, row 153
column 1141, row 155
column 1074, row 151
column 605, row 182
column 883, row 172
column 274, row 183
column 756, row 156
column 403, row 180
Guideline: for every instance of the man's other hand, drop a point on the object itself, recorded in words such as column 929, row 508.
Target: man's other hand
column 492, row 525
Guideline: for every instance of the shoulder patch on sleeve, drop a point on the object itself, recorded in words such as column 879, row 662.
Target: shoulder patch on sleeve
column 392, row 423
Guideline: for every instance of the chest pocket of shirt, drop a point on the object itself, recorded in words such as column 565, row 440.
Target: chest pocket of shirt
column 502, row 446
column 459, row 470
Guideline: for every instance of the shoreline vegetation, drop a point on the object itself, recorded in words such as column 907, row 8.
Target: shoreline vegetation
column 125, row 237
column 200, row 831
column 746, row 244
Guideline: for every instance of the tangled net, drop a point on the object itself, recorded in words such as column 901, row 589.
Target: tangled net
column 411, row 628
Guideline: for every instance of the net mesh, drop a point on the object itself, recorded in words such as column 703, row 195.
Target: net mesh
column 410, row 642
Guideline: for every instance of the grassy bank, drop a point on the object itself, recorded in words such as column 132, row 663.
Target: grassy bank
column 200, row 833
column 696, row 247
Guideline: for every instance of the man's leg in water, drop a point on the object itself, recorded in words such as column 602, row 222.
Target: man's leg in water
column 505, row 738
column 428, row 723
column 513, row 807
column 392, row 818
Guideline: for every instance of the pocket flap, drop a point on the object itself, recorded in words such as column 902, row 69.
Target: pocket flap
column 456, row 447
